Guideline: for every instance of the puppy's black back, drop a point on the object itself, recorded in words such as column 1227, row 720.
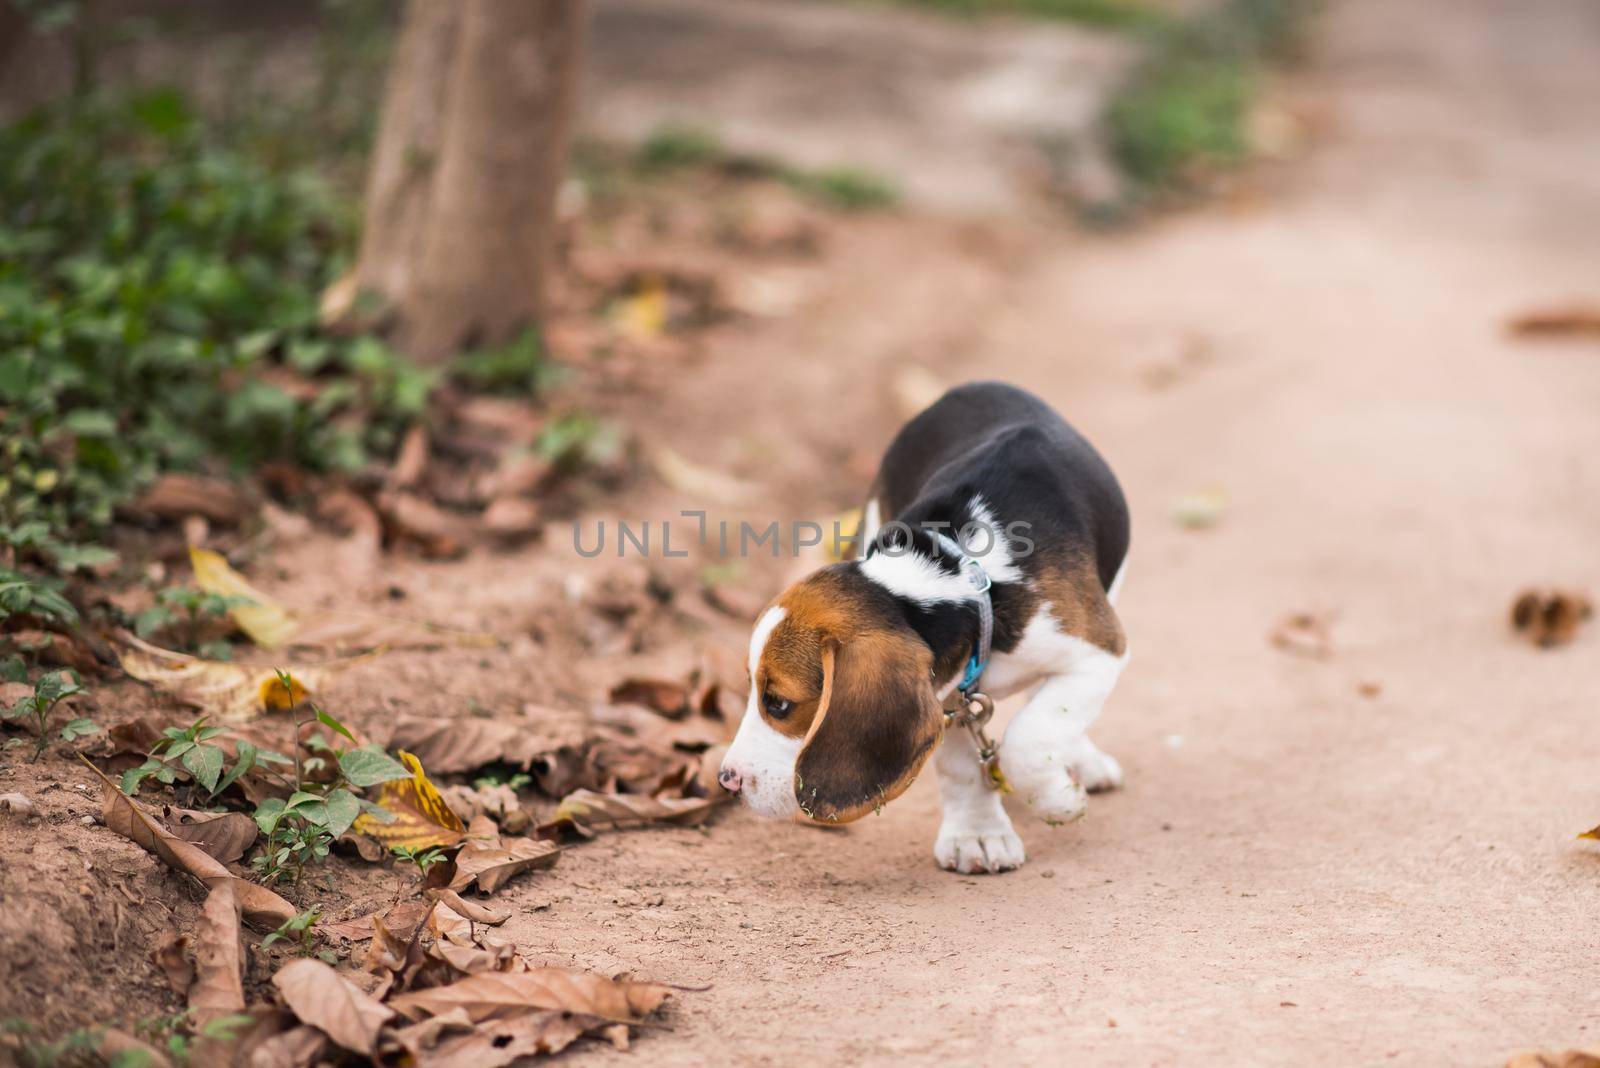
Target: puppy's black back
column 1003, row 444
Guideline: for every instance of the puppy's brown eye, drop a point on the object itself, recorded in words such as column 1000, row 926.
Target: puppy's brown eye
column 777, row 707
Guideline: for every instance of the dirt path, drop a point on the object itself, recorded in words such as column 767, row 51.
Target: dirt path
column 1295, row 872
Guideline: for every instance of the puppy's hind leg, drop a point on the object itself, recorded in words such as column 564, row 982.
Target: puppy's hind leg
column 976, row 834
column 1046, row 755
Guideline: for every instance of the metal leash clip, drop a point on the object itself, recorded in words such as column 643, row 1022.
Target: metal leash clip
column 973, row 712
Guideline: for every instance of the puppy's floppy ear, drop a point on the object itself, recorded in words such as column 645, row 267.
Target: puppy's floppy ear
column 876, row 723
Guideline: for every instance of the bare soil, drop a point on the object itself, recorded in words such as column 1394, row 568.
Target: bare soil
column 1364, row 858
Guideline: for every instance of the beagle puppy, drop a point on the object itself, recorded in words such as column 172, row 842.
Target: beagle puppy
column 852, row 669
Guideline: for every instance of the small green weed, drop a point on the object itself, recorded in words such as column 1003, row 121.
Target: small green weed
column 422, row 858
column 185, row 616
column 300, row 930
column 49, row 690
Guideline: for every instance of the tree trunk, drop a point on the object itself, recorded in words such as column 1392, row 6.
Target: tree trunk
column 471, row 151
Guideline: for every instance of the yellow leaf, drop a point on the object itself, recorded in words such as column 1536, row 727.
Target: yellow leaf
column 643, row 315
column 422, row 819
column 226, row 690
column 1592, row 832
column 267, row 622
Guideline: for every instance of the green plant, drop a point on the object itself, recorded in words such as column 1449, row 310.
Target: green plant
column 36, row 598
column 520, row 366
column 158, row 311
column 192, row 747
column 301, row 830
column 48, row 691
column 502, row 776
column 674, row 146
column 422, row 858
column 844, row 188
column 298, row 929
column 189, row 613
column 1107, row 14
column 1185, row 108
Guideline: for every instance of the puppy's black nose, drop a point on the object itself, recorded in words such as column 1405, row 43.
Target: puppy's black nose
column 730, row 780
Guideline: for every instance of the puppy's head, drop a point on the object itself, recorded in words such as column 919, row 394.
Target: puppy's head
column 842, row 711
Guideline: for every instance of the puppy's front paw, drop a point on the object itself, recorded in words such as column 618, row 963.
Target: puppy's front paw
column 1050, row 789
column 1098, row 771
column 970, row 851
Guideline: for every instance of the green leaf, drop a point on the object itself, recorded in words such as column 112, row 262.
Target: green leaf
column 377, row 812
column 205, row 764
column 328, row 721
column 78, row 728
column 268, row 813
column 13, row 669
column 342, row 810
column 371, row 766
column 245, row 761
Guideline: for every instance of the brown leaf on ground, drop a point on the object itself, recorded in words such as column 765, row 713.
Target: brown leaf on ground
column 511, row 519
column 1303, row 634
column 422, row 819
column 227, row 690
column 218, row 988
column 453, row 745
column 587, row 812
column 476, row 959
column 402, row 920
column 476, row 911
column 498, row 801
column 698, row 483
column 1592, row 832
column 116, row 1046
column 668, row 697
column 487, row 861
column 321, row 997
column 411, row 461
column 1549, row 618
column 1579, row 318
column 225, row 835
column 499, row 995
column 297, row 1047
column 448, row 925
column 175, row 496
column 76, row 651
column 351, row 632
column 500, row 1042
column 387, row 951
column 261, row 907
column 418, row 1039
column 1572, row 1058
column 438, row 533
column 171, row 955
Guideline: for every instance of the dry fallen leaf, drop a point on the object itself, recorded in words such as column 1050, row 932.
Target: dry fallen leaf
column 453, row 745
column 1571, row 1058
column 402, row 920
column 1592, row 832
column 225, row 835
column 321, row 997
column 266, row 621
column 226, row 690
column 218, row 987
column 487, row 861
column 642, row 315
column 177, row 496
column 1200, row 509
column 387, row 951
column 499, row 995
column 1558, row 321
column 1549, row 618
column 422, row 819
column 438, row 533
column 261, row 907
column 1304, row 634
column 171, row 955
column 587, row 812
column 476, row 911
column 668, row 697
column 495, row 1043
